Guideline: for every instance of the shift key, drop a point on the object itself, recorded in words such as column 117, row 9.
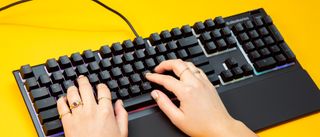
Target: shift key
column 44, row 104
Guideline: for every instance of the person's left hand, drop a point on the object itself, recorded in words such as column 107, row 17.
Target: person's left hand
column 89, row 118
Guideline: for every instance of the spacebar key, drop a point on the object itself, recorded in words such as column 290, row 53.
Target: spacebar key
column 138, row 102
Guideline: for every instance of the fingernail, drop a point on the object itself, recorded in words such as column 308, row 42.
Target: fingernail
column 155, row 95
column 99, row 85
column 121, row 102
column 81, row 76
column 147, row 74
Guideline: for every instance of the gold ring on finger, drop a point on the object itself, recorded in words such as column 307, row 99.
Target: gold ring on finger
column 61, row 115
column 104, row 98
column 75, row 104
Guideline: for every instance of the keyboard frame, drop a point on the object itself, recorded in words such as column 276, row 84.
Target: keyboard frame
column 296, row 68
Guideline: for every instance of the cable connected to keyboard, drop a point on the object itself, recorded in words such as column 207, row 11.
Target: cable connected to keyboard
column 120, row 15
column 97, row 1
column 13, row 4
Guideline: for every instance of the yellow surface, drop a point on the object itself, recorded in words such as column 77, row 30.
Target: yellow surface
column 38, row 30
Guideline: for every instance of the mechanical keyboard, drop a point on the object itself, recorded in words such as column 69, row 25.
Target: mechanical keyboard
column 229, row 50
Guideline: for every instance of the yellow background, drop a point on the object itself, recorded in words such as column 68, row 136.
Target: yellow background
column 41, row 29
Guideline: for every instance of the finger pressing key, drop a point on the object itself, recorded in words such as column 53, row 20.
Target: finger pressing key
column 178, row 67
column 86, row 91
column 104, row 96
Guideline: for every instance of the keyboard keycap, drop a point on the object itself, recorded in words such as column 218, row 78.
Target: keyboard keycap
column 231, row 62
column 161, row 48
column 69, row 73
column 117, row 60
column 237, row 72
column 135, row 78
column 128, row 45
column 39, row 93
column 137, row 102
column 265, row 64
column 104, row 76
column 31, row 83
column 116, row 48
column 93, row 79
column 226, row 75
column 76, row 59
column 56, row 89
column 281, row 59
column 57, row 77
column 139, row 42
column 276, row 33
column 105, row 64
column 127, row 69
column 216, row 34
column 52, row 127
column 207, row 69
column 105, row 51
column 48, row 115
column 26, row 71
column 186, row 30
column 195, row 51
column 200, row 60
column 123, row 93
column 139, row 54
column 134, row 90
column 160, row 58
column 124, row 82
column 146, row 87
column 52, row 65
column 66, row 84
column 155, row 39
column 182, row 54
column 128, row 57
column 93, row 67
column 165, row 36
column 199, row 27
column 222, row 45
column 172, row 45
column 172, row 55
column 287, row 52
column 112, row 84
column 64, row 62
column 214, row 79
column 139, row 66
column 150, row 51
column 88, row 56
column 247, row 69
column 188, row 41
column 82, row 70
column 150, row 63
column 44, row 80
column 116, row 72
column 219, row 21
column 209, row 24
column 44, row 104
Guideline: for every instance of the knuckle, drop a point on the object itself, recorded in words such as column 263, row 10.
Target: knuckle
column 105, row 111
column 188, row 89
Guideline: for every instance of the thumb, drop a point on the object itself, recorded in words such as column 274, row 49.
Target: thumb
column 122, row 118
column 166, row 105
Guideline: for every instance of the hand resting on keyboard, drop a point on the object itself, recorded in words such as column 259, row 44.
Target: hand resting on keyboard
column 201, row 111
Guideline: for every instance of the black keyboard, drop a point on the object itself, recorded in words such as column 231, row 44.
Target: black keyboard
column 228, row 50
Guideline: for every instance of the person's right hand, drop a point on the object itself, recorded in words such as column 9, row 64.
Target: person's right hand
column 201, row 111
